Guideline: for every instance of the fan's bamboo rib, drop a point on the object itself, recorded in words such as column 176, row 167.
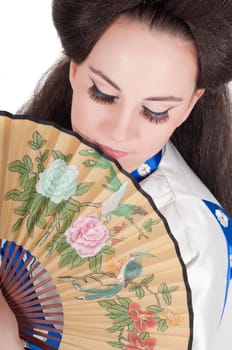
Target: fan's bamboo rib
column 38, row 342
column 21, row 273
column 11, row 275
column 9, row 265
column 26, row 275
column 4, row 260
column 20, row 285
column 38, row 313
column 38, row 321
column 41, row 334
column 38, row 330
column 43, row 300
column 27, row 296
column 30, row 299
column 28, row 309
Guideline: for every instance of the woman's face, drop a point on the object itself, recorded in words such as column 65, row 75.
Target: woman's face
column 133, row 90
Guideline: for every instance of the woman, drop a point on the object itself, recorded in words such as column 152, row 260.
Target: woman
column 134, row 75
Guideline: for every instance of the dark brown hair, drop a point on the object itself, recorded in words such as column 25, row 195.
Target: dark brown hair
column 205, row 139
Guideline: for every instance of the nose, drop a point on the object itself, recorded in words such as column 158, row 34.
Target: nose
column 122, row 125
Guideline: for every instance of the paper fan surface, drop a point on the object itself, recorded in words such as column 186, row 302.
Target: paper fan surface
column 87, row 262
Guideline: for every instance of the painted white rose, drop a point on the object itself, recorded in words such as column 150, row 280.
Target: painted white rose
column 58, row 182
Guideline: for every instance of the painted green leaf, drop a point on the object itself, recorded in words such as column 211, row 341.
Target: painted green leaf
column 162, row 325
column 132, row 288
column 118, row 310
column 123, row 321
column 50, row 208
column 44, row 156
column 148, row 225
column 51, row 247
column 17, row 166
column 113, row 182
column 155, row 308
column 31, row 220
column 116, row 344
column 30, row 185
column 40, row 221
column 66, row 259
column 147, row 280
column 90, row 152
column 163, row 288
column 139, row 292
column 22, row 211
column 108, row 250
column 73, row 205
column 33, row 145
column 67, row 221
column 23, row 179
column 28, row 163
column 112, row 316
column 38, row 203
column 144, row 335
column 167, row 298
column 124, row 302
column 77, row 261
column 12, row 194
column 37, row 141
column 83, row 188
column 131, row 328
column 115, row 328
column 107, row 303
column 95, row 262
column 173, row 289
column 40, row 168
column 123, row 210
column 26, row 195
column 90, row 163
column 59, row 155
column 17, row 225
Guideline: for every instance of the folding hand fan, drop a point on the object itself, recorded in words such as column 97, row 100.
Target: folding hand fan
column 87, row 261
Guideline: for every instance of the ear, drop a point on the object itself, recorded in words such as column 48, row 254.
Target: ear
column 196, row 97
column 72, row 72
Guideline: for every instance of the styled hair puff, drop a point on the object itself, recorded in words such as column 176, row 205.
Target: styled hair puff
column 81, row 23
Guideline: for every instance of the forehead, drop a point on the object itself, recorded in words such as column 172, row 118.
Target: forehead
column 129, row 51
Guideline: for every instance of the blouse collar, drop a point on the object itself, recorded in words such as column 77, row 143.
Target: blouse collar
column 148, row 167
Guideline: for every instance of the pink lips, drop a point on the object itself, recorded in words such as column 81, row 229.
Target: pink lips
column 112, row 152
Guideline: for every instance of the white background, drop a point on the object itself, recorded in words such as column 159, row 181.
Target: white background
column 28, row 47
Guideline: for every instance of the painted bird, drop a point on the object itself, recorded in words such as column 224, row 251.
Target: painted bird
column 130, row 270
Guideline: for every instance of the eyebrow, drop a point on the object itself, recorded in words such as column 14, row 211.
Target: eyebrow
column 102, row 75
column 164, row 98
column 158, row 98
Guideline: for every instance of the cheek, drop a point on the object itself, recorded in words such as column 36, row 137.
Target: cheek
column 82, row 112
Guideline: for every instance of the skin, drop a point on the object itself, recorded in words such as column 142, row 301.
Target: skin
column 8, row 328
column 141, row 63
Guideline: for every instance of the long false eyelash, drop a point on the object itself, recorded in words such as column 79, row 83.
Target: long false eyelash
column 98, row 96
column 154, row 117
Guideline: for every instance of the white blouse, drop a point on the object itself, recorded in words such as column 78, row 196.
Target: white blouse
column 200, row 232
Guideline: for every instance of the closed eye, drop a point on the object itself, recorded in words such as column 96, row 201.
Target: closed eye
column 155, row 117
column 99, row 96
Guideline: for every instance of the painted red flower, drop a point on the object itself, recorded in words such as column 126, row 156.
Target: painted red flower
column 143, row 319
column 136, row 343
column 117, row 229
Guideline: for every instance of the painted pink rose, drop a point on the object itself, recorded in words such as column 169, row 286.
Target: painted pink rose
column 87, row 235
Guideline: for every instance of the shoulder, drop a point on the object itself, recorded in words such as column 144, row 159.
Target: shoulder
column 197, row 223
column 184, row 201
